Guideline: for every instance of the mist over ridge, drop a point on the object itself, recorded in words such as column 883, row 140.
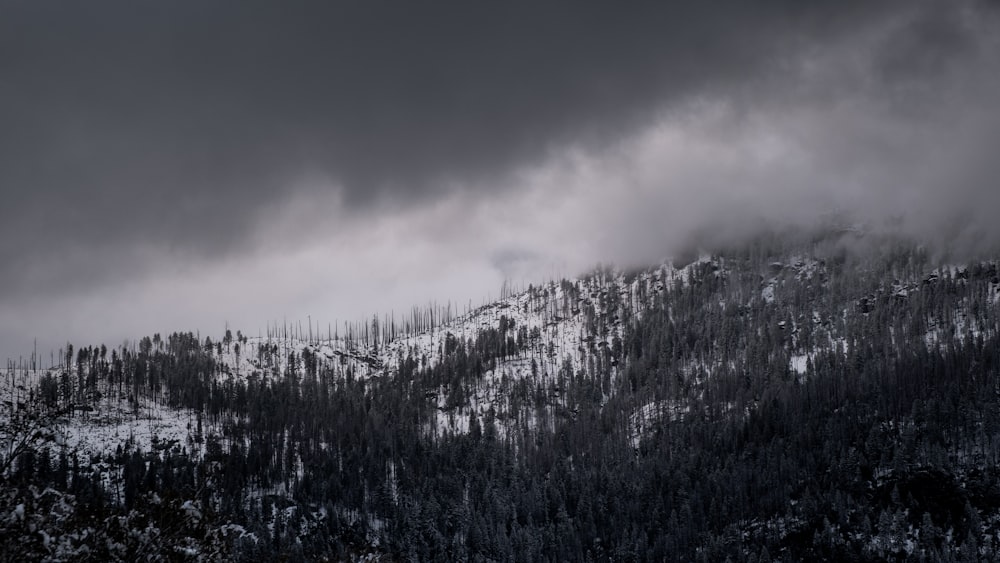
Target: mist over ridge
column 345, row 156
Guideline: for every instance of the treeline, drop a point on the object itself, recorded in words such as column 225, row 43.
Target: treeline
column 789, row 404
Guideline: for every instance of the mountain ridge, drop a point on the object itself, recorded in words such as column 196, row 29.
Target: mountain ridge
column 611, row 371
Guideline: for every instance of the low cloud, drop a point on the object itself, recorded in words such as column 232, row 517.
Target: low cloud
column 182, row 184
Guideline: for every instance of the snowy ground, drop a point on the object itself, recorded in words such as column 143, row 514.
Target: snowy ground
column 146, row 427
column 570, row 324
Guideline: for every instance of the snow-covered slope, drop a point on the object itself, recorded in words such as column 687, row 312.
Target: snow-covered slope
column 627, row 362
column 557, row 330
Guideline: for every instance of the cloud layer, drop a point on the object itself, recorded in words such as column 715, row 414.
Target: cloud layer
column 192, row 163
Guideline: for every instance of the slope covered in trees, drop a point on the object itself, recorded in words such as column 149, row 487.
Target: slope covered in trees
column 784, row 400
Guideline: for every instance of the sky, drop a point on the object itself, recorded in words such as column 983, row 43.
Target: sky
column 192, row 165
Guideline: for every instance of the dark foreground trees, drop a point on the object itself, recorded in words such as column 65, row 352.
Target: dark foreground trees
column 850, row 415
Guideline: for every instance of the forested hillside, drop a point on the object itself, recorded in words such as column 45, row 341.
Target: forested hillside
column 830, row 398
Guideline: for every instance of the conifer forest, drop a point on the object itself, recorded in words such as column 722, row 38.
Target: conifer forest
column 547, row 281
column 815, row 400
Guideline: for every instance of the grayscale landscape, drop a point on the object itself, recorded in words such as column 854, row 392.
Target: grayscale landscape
column 550, row 281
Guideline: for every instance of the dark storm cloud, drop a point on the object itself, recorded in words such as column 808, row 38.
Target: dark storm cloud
column 214, row 161
column 175, row 126
column 923, row 48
